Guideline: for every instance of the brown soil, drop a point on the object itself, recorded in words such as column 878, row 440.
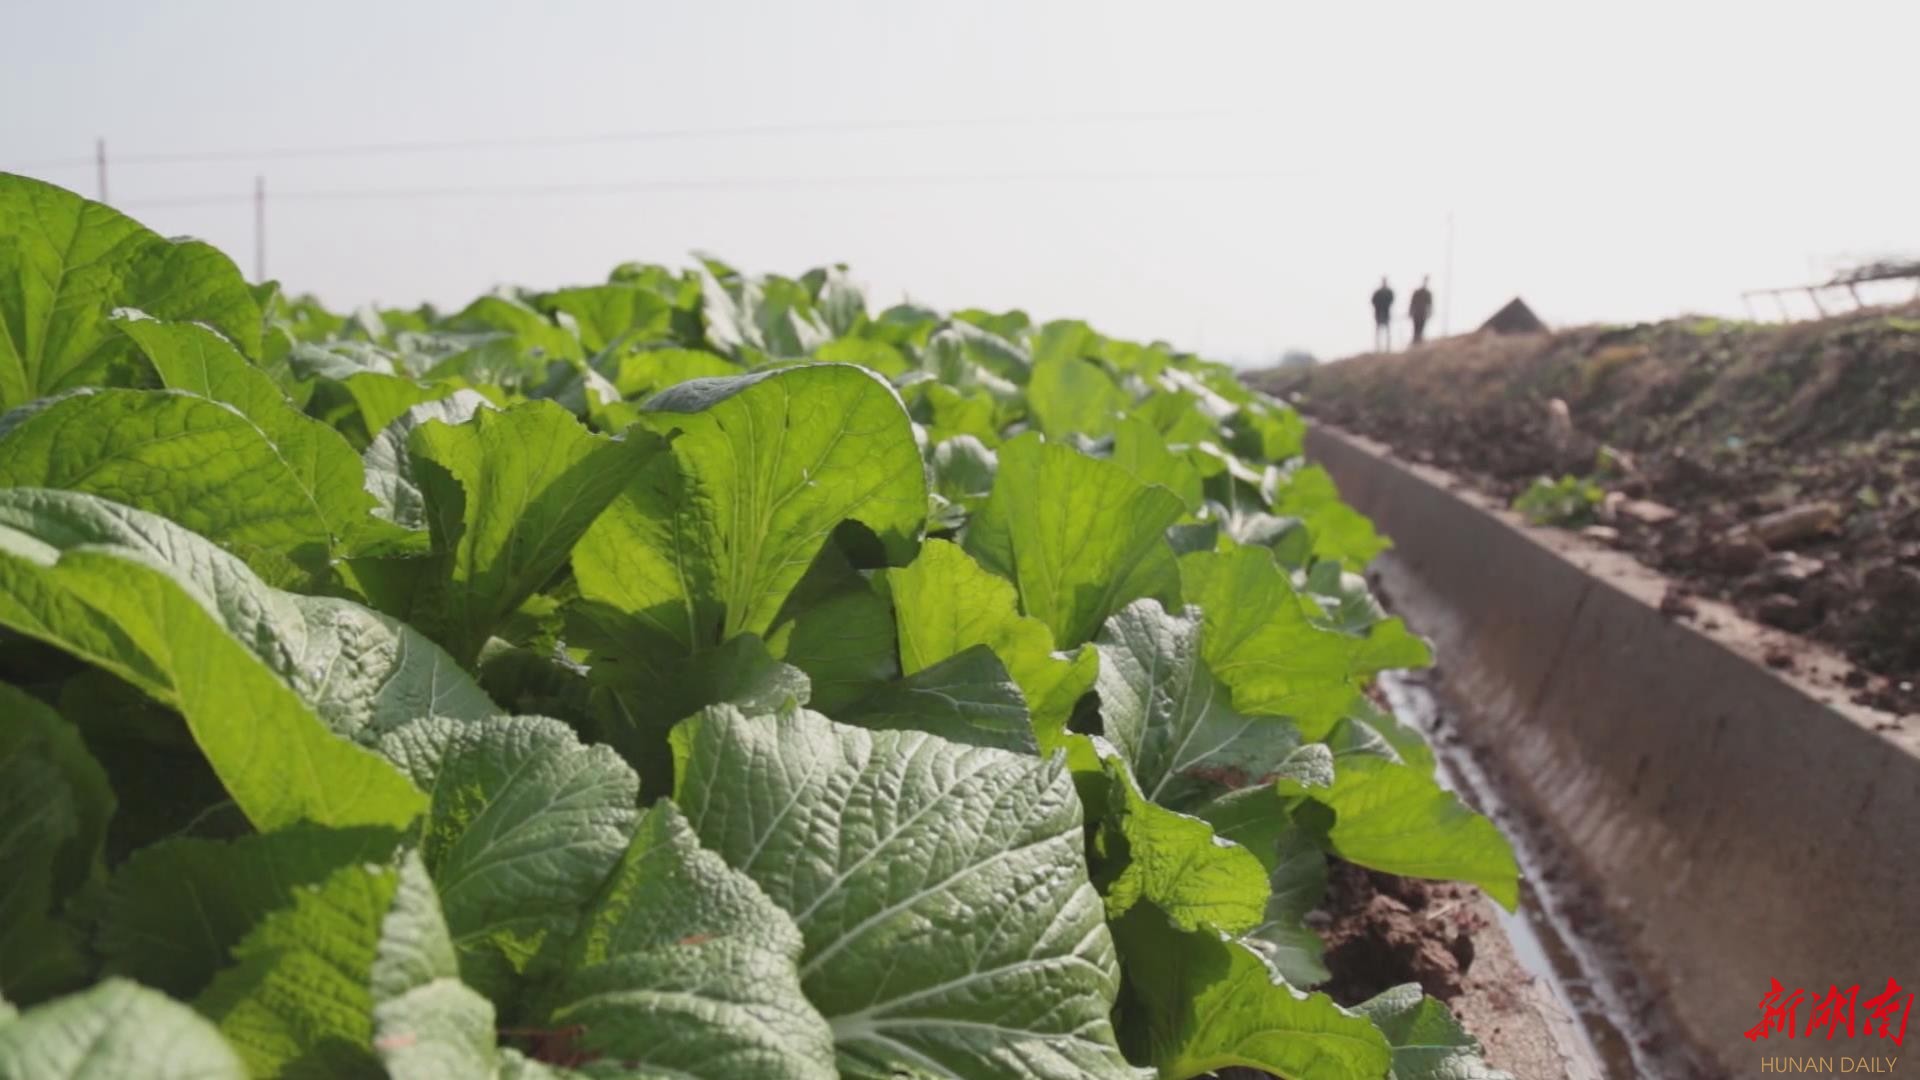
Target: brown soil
column 1385, row 931
column 1724, row 423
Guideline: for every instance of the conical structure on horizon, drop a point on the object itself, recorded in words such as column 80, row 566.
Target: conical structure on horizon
column 1515, row 318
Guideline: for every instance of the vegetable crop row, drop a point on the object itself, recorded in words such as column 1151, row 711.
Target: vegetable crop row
column 688, row 675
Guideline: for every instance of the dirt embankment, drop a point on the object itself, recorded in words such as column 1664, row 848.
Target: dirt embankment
column 1788, row 457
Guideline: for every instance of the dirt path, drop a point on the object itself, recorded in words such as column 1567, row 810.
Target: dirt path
column 1776, row 468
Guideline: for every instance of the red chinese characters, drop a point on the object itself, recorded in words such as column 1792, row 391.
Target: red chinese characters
column 1776, row 1012
column 1885, row 1015
column 1883, row 1007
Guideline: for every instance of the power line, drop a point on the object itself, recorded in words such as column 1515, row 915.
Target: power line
column 436, row 146
column 738, row 183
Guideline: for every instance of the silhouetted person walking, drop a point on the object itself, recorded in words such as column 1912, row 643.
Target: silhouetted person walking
column 1383, row 317
column 1421, row 307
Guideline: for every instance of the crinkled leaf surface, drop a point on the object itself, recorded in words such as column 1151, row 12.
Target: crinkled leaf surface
column 117, row 1028
column 67, row 262
column 361, row 671
column 523, row 826
column 297, row 1001
column 1176, row 863
column 193, row 358
column 132, row 616
column 1079, row 536
column 427, row 1024
column 278, row 491
column 1262, row 642
column 945, row 603
column 176, row 909
column 1171, row 718
column 709, row 539
column 684, row 968
column 1428, row 1043
column 1202, row 1002
column 941, row 889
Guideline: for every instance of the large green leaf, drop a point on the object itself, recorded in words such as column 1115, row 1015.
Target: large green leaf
column 176, row 909
column 968, row 698
column 708, row 540
column 607, row 313
column 1176, row 863
column 839, row 630
column 427, row 1024
column 684, row 968
column 524, row 824
column 54, row 806
column 752, row 318
column 1428, row 1043
column 1339, row 531
column 1262, row 641
column 193, row 358
column 1172, row 719
column 507, row 494
column 66, row 263
column 637, row 703
column 118, row 1028
column 1079, row 536
column 1396, row 818
column 389, row 457
column 37, row 734
column 534, row 336
column 1298, row 885
column 1073, row 396
column 297, row 1002
column 945, row 603
column 1203, row 1002
column 643, row 372
column 941, row 889
column 131, row 616
column 1294, row 851
column 362, row 672
column 1140, row 450
column 288, row 489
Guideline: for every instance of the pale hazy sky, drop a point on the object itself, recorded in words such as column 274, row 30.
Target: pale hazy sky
column 1233, row 177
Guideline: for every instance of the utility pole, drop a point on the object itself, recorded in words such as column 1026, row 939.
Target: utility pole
column 259, row 229
column 1446, row 291
column 100, row 165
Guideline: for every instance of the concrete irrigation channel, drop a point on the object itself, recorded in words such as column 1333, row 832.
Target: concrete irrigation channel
column 1694, row 824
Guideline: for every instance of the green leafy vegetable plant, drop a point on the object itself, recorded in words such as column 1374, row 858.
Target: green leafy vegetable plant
column 1568, row 502
column 687, row 675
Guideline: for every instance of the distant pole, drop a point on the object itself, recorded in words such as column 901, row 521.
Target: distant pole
column 1446, row 291
column 259, row 228
column 100, row 165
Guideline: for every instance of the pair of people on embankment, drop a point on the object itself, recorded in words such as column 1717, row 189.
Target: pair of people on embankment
column 1419, row 309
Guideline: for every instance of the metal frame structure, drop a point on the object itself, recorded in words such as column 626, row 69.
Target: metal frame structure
column 1850, row 280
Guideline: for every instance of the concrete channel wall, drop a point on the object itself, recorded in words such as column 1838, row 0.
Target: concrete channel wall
column 1739, row 829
